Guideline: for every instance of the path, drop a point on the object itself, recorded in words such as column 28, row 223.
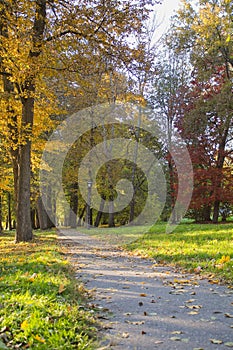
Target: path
column 144, row 306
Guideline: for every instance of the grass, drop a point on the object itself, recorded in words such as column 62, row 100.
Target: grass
column 116, row 235
column 42, row 306
column 206, row 248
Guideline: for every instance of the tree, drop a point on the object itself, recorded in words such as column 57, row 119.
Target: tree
column 41, row 38
column 204, row 32
column 167, row 99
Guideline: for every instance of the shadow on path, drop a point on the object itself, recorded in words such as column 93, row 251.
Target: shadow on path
column 144, row 306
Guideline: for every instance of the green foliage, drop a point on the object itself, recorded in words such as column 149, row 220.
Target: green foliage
column 42, row 306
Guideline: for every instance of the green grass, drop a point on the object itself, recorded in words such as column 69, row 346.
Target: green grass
column 191, row 246
column 116, row 235
column 42, row 306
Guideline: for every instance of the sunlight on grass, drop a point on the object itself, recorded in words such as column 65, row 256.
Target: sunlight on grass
column 116, row 235
column 191, row 246
column 41, row 306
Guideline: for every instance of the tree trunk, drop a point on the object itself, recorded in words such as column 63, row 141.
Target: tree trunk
column 73, row 206
column 23, row 210
column 43, row 218
column 111, row 222
column 206, row 213
column 100, row 212
column 132, row 209
column 9, row 217
column 81, row 216
column 216, row 212
column 1, row 228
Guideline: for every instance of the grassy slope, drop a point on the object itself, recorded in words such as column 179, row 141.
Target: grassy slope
column 41, row 304
column 191, row 246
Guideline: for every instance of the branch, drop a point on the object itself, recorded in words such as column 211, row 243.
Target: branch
column 6, row 74
column 65, row 32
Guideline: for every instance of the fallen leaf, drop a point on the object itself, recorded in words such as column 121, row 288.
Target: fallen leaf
column 198, row 269
column 216, row 341
column 193, row 313
column 135, row 322
column 61, row 288
column 181, row 281
column 33, row 276
column 143, row 295
column 143, row 332
column 39, row 339
column 125, row 335
column 176, row 332
column 176, row 338
column 157, row 342
column 194, row 306
column 24, row 325
column 229, row 344
column 190, row 301
column 229, row 315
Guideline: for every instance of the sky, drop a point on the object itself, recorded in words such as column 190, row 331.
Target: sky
column 164, row 13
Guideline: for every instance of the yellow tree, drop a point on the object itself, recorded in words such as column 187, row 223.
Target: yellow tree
column 43, row 37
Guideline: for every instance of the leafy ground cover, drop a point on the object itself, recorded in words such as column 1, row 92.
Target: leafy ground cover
column 42, row 306
column 199, row 248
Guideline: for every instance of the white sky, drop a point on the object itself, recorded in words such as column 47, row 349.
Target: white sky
column 164, row 13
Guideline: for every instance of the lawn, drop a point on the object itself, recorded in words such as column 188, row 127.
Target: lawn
column 42, row 306
column 200, row 248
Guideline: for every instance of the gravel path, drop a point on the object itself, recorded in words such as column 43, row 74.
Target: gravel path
column 144, row 306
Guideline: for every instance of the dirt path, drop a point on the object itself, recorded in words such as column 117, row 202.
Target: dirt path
column 144, row 306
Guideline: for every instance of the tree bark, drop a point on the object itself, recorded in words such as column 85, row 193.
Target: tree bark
column 73, row 206
column 23, row 211
column 206, row 213
column 9, row 216
column 1, row 228
column 100, row 212
column 111, row 222
column 81, row 216
column 43, row 218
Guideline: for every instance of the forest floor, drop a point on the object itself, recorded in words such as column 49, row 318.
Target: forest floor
column 146, row 305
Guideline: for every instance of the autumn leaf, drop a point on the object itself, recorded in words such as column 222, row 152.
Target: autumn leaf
column 32, row 278
column 229, row 344
column 193, row 313
column 216, row 341
column 143, row 295
column 176, row 332
column 224, row 259
column 125, row 335
column 24, row 325
column 175, row 338
column 39, row 339
column 62, row 288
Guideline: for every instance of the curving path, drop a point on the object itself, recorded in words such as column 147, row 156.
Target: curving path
column 144, row 306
